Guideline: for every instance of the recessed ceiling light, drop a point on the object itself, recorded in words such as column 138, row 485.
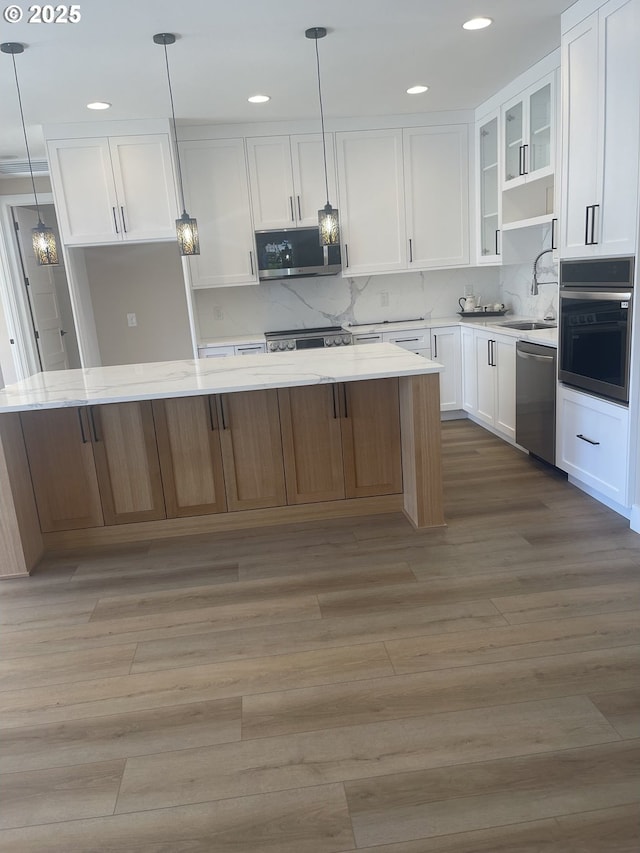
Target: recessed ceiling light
column 98, row 105
column 416, row 90
column 477, row 24
column 259, row 99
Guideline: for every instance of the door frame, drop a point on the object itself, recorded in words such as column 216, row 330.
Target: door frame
column 14, row 298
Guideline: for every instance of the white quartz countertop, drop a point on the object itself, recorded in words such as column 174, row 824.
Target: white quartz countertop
column 118, row 384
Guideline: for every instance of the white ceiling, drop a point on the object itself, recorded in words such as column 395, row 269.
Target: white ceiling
column 227, row 51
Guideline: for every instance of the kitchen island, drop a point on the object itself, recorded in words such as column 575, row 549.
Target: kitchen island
column 138, row 452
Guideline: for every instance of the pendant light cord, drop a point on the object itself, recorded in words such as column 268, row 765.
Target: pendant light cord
column 324, row 146
column 26, row 142
column 175, row 133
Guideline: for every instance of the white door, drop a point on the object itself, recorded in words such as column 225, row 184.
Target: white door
column 309, row 185
column 372, row 212
column 469, row 370
column 445, row 348
column 436, row 169
column 485, row 367
column 216, row 188
column 505, row 401
column 43, row 299
column 271, row 181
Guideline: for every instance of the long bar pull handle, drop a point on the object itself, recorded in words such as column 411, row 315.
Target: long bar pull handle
column 115, row 220
column 489, row 353
column 293, row 216
column 525, row 153
column 588, row 440
column 299, row 209
column 224, row 420
column 593, row 224
column 92, row 418
column 82, row 432
column 346, row 254
column 435, row 346
column 554, row 225
column 497, row 237
column 586, row 225
column 124, row 221
column 333, row 396
column 410, row 250
column 344, row 394
column 251, row 261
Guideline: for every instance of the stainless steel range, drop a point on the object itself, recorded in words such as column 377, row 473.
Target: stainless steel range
column 299, row 339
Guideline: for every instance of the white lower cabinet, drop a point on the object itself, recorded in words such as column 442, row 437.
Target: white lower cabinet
column 414, row 340
column 445, row 348
column 223, row 350
column 489, row 379
column 593, row 442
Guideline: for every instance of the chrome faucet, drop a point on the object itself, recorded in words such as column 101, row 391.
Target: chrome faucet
column 534, row 283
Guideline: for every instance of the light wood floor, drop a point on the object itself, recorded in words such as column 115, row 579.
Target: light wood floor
column 339, row 686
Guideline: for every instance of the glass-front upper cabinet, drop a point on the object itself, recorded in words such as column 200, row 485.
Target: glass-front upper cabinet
column 529, row 134
column 489, row 195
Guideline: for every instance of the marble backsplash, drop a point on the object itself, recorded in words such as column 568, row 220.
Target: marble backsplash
column 515, row 286
column 332, row 300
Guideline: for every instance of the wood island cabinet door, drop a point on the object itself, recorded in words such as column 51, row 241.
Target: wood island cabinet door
column 126, row 454
column 190, row 456
column 371, row 438
column 251, row 449
column 311, row 443
column 63, row 470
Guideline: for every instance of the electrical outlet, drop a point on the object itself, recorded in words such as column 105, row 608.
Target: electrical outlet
column 132, row 320
column 384, row 299
column 468, row 290
column 218, row 313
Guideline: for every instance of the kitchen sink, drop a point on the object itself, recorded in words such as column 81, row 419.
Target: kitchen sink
column 528, row 325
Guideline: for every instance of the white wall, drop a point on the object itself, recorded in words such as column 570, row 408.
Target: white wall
column 332, row 300
column 145, row 280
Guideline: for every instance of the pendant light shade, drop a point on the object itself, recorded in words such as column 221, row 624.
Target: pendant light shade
column 186, row 226
column 328, row 220
column 44, row 240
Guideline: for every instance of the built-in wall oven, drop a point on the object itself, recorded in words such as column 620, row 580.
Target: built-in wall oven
column 596, row 298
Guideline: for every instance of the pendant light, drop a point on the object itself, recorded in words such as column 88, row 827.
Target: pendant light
column 44, row 240
column 186, row 227
column 328, row 222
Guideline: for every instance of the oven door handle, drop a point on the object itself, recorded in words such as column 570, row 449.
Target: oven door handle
column 600, row 295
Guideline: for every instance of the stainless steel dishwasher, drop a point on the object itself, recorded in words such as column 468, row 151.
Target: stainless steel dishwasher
column 536, row 399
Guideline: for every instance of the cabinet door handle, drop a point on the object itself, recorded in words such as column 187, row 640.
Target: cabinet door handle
column 115, row 220
column 124, row 221
column 82, row 432
column 346, row 254
column 212, row 419
column 435, row 346
column 251, row 261
column 489, row 353
column 410, row 250
column 497, row 237
column 586, row 224
column 293, row 216
column 588, row 440
column 222, row 415
column 333, row 397
column 299, row 208
column 525, row 153
column 92, row 418
column 405, row 341
column 344, row 395
column 593, row 240
column 554, row 225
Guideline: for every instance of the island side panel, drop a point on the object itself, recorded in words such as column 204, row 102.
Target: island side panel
column 21, row 544
column 421, row 450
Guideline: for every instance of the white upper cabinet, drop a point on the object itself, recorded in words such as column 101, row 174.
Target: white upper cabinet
column 113, row 189
column 528, row 134
column 288, row 180
column 371, row 201
column 600, row 136
column 217, row 194
column 489, row 195
column 436, row 180
column 404, row 198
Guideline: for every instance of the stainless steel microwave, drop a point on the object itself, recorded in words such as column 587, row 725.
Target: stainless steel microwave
column 295, row 253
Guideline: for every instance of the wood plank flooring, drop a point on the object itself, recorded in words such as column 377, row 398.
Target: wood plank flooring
column 336, row 686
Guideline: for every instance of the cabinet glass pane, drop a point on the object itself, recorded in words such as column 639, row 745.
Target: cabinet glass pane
column 489, row 186
column 513, row 138
column 540, row 129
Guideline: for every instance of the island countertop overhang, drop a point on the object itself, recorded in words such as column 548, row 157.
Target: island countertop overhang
column 158, row 380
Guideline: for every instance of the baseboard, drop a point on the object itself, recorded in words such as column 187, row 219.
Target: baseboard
column 635, row 518
column 624, row 511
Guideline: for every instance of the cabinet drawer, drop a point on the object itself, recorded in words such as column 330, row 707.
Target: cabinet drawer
column 413, row 340
column 370, row 338
column 594, row 443
column 215, row 352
